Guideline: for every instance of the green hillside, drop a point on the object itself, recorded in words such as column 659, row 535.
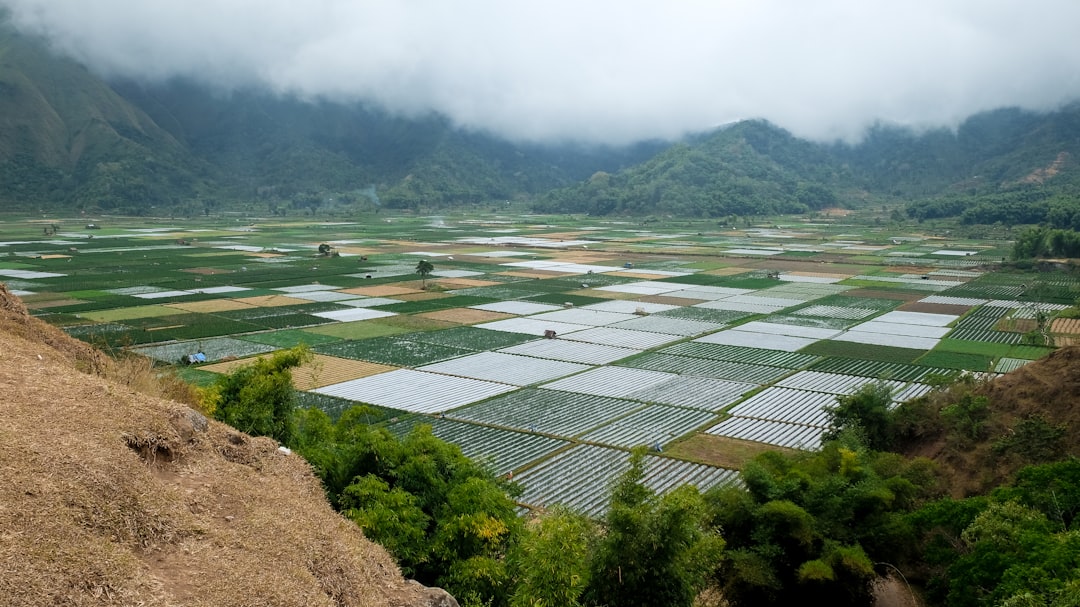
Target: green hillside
column 69, row 139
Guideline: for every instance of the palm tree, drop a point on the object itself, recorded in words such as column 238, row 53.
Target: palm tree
column 423, row 269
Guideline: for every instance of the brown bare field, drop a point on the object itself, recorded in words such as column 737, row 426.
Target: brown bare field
column 1069, row 326
column 423, row 296
column 380, row 291
column 272, row 301
column 321, row 371
column 46, row 302
column 55, row 256
column 464, row 283
column 211, row 306
column 930, row 308
column 465, row 316
column 1016, row 325
column 731, row 271
column 207, row 271
column 633, row 274
column 605, row 294
column 719, row 450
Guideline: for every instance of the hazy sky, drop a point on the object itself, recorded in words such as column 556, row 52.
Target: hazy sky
column 601, row 70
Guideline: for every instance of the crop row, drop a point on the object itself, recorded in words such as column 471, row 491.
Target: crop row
column 581, row 478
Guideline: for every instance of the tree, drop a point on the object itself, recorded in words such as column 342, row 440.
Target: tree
column 258, row 398
column 423, row 268
column 866, row 412
column 551, row 562
column 655, row 551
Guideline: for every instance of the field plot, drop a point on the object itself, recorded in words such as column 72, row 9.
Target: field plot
column 583, row 316
column 880, row 369
column 742, row 354
column 392, row 351
column 470, row 338
column 654, row 426
column 531, row 326
column 214, row 348
column 619, row 382
column 550, row 412
column 570, row 351
column 669, row 325
column 707, row 367
column 832, row 383
column 623, row 338
column 695, row 392
column 751, row 339
column 780, row 434
column 503, row 450
column 787, row 405
column 506, row 368
column 415, row 391
column 581, row 477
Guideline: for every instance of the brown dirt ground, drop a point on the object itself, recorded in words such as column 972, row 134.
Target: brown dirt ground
column 930, row 308
column 322, row 371
column 1067, row 326
column 465, row 316
column 604, row 294
column 1016, row 325
column 111, row 497
column 1049, row 387
column 718, row 450
column 633, row 274
column 211, row 306
column 40, row 304
column 423, row 296
column 728, row 271
column 207, row 271
column 272, row 301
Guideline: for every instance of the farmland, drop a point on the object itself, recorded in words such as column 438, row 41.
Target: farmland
column 661, row 333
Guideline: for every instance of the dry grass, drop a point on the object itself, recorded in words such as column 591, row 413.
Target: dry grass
column 465, row 316
column 112, row 497
column 719, row 450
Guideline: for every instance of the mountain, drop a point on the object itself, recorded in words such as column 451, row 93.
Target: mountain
column 998, row 158
column 66, row 135
column 70, row 139
column 113, row 497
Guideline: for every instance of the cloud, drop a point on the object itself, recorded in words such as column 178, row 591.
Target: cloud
column 600, row 71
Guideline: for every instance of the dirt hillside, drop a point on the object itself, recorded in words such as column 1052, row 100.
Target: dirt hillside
column 1047, row 388
column 111, row 497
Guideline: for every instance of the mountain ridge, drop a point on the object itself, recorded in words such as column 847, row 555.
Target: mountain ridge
column 70, row 140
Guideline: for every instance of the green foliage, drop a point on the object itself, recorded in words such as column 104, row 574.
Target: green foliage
column 865, row 412
column 968, row 415
column 654, row 551
column 446, row 519
column 1016, row 547
column 423, row 268
column 1048, row 242
column 551, row 561
column 810, row 526
column 1035, row 440
column 258, row 398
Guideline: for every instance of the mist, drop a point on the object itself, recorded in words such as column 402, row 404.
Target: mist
column 602, row 71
